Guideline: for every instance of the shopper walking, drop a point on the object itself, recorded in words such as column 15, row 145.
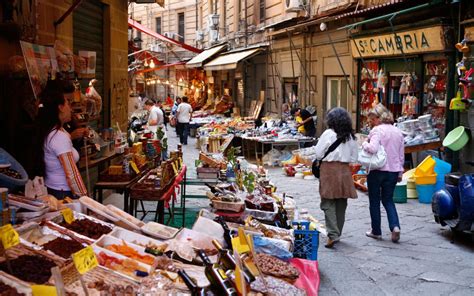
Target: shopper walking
column 335, row 182
column 55, row 155
column 183, row 116
column 155, row 119
column 381, row 183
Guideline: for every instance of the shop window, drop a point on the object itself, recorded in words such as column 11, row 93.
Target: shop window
column 290, row 89
column 434, row 93
column 158, row 25
column 261, row 11
column 337, row 92
column 181, row 26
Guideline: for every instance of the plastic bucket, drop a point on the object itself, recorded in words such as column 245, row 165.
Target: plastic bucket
column 400, row 193
column 425, row 179
column 426, row 167
column 425, row 193
column 440, row 184
column 442, row 167
column 456, row 139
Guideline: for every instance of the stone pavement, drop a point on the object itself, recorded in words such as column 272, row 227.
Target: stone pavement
column 425, row 262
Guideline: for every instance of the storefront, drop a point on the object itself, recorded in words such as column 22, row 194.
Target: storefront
column 406, row 70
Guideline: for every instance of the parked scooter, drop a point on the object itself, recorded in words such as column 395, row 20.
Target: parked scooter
column 454, row 205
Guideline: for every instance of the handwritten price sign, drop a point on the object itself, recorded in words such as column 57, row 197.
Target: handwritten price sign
column 85, row 260
column 43, row 290
column 9, row 236
column 68, row 215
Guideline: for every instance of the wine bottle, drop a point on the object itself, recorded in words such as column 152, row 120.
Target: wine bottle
column 227, row 236
column 195, row 289
column 227, row 261
column 217, row 277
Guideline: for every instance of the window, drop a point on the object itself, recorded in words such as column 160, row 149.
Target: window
column 261, row 11
column 158, row 25
column 337, row 92
column 181, row 26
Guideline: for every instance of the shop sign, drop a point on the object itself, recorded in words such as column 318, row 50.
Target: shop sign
column 410, row 42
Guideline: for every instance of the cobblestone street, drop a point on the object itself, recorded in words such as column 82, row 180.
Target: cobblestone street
column 425, row 262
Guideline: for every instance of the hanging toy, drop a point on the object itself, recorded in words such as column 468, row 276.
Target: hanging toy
column 457, row 103
column 462, row 46
column 461, row 67
column 466, row 84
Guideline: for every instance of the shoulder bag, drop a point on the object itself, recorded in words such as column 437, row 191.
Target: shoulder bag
column 317, row 162
column 372, row 161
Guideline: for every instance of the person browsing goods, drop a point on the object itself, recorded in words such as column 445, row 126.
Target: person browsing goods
column 183, row 116
column 56, row 157
column 155, row 118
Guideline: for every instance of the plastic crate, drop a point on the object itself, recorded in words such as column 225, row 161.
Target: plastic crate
column 306, row 241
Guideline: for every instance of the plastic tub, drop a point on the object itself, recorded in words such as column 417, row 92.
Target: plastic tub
column 9, row 182
column 425, row 193
column 426, row 167
column 456, row 139
column 400, row 193
column 442, row 167
column 439, row 182
column 412, row 194
column 425, row 180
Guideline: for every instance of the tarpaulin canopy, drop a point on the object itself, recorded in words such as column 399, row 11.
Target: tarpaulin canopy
column 229, row 61
column 201, row 58
column 140, row 27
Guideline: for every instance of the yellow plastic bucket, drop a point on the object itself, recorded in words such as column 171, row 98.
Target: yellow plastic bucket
column 426, row 179
column 426, row 167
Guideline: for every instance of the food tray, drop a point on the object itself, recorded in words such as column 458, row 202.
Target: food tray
column 134, row 237
column 108, row 240
column 97, row 208
column 159, row 230
column 100, row 273
column 228, row 206
column 196, row 239
column 262, row 215
column 124, row 219
column 19, row 285
column 26, row 203
column 45, row 233
column 146, row 267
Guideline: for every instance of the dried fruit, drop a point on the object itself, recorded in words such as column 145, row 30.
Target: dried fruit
column 30, row 268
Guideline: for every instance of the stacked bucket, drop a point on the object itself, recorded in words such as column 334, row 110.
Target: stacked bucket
column 429, row 177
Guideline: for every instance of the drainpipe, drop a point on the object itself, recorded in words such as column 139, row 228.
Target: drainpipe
column 245, row 23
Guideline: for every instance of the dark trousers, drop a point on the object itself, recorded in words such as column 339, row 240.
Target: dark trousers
column 60, row 194
column 381, row 186
column 183, row 132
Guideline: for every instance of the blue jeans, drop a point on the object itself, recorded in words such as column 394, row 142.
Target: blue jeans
column 381, row 187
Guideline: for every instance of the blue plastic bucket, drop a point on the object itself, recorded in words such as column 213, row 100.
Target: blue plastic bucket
column 440, row 184
column 425, row 193
column 442, row 167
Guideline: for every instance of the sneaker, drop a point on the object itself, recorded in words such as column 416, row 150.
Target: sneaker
column 396, row 234
column 374, row 236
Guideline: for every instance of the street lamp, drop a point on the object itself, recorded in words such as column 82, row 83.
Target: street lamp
column 214, row 21
column 152, row 64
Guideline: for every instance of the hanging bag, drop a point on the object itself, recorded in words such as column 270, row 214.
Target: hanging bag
column 372, row 161
column 316, row 167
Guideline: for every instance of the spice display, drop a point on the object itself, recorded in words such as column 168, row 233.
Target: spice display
column 130, row 252
column 63, row 247
column 273, row 266
column 6, row 290
column 10, row 173
column 30, row 268
column 87, row 228
column 112, row 290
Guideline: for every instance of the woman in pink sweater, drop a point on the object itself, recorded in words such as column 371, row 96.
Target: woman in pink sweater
column 381, row 182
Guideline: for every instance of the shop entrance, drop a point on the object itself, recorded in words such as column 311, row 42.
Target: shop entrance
column 290, row 90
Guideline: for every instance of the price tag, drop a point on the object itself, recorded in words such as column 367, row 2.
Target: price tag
column 68, row 215
column 43, row 290
column 9, row 236
column 134, row 167
column 240, row 242
column 85, row 260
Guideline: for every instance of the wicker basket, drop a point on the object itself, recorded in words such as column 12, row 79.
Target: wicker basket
column 359, row 182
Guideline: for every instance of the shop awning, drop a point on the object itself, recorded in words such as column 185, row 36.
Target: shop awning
column 140, row 27
column 229, row 61
column 160, row 67
column 204, row 56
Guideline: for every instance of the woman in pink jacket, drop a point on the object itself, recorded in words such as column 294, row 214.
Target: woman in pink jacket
column 381, row 183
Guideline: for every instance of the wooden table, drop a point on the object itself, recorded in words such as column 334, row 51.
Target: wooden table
column 438, row 145
column 98, row 161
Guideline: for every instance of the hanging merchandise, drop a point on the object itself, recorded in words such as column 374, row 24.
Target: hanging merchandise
column 457, row 103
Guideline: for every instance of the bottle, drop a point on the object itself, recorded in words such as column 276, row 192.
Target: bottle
column 227, row 236
column 217, row 277
column 227, row 261
column 195, row 289
column 283, row 216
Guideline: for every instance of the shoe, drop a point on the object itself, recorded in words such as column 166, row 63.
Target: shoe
column 374, row 236
column 459, row 46
column 396, row 234
column 330, row 243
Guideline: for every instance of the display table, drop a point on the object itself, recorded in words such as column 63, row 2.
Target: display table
column 438, row 145
column 259, row 144
column 98, row 161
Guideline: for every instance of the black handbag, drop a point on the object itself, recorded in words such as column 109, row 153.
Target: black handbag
column 316, row 167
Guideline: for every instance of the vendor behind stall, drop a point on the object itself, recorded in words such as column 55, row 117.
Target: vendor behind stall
column 56, row 155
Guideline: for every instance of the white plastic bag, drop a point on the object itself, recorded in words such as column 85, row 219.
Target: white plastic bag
column 372, row 161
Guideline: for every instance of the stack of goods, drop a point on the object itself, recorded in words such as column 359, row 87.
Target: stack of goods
column 418, row 131
column 425, row 179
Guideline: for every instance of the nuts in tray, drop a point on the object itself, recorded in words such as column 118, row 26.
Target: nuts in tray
column 111, row 289
column 30, row 268
column 63, row 247
column 87, row 228
column 9, row 291
column 273, row 266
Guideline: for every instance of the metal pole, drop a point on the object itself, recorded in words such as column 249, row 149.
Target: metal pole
column 291, row 52
column 340, row 63
column 245, row 23
column 304, row 67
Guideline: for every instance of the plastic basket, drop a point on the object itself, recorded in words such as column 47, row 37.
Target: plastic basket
column 442, row 167
column 400, row 193
column 426, row 167
column 306, row 241
column 425, row 180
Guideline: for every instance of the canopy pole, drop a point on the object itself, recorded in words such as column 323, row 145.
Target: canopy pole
column 292, row 45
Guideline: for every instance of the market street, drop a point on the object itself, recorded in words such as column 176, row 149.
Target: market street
column 425, row 262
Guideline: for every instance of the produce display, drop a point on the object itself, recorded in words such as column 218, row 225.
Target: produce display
column 87, row 228
column 112, row 290
column 30, row 268
column 127, row 266
column 127, row 251
column 273, row 266
column 6, row 290
column 63, row 247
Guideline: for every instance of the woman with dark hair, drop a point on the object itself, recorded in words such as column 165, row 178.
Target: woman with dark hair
column 55, row 154
column 335, row 181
